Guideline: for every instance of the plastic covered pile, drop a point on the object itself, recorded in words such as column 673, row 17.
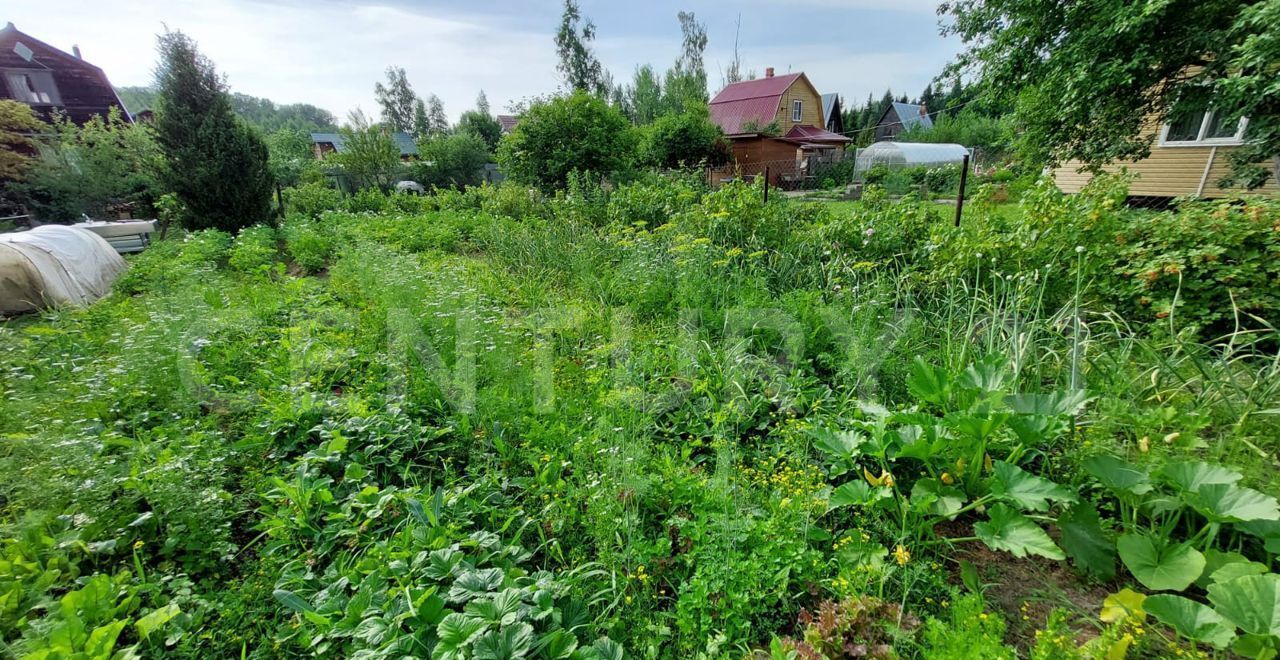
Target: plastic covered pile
column 55, row 266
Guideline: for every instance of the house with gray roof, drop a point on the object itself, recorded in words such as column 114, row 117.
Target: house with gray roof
column 323, row 144
column 833, row 113
column 899, row 117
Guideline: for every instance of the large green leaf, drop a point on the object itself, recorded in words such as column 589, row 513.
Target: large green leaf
column 988, row 375
column 1084, row 540
column 1016, row 534
column 475, row 584
column 292, row 601
column 920, row 442
column 455, row 632
column 156, row 618
column 855, row 493
column 1026, row 490
column 1189, row 476
column 1051, row 404
column 1232, row 503
column 1251, row 602
column 928, row 383
column 1215, row 559
column 1195, row 621
column 841, row 444
column 1237, row 570
column 557, row 644
column 935, row 497
column 502, row 609
column 1159, row 564
column 1118, row 475
column 506, row 644
column 1034, row 430
column 102, row 641
column 976, row 426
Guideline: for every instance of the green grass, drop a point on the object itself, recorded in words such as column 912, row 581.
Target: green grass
column 660, row 419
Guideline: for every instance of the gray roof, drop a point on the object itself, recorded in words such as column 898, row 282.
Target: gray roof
column 828, row 102
column 403, row 140
column 910, row 117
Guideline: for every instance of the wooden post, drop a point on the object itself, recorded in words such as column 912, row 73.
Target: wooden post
column 964, row 178
column 766, row 184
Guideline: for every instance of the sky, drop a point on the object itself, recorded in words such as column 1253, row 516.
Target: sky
column 331, row 52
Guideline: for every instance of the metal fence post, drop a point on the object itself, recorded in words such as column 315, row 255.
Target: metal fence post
column 964, row 177
column 766, row 184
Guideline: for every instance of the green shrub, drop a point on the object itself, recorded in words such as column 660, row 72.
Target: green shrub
column 579, row 132
column 312, row 199
column 308, row 242
column 1211, row 266
column 207, row 247
column 254, row 249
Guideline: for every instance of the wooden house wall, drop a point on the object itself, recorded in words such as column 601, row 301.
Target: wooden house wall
column 811, row 111
column 1167, row 172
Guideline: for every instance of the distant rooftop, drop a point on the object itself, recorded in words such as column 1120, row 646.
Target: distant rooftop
column 403, row 140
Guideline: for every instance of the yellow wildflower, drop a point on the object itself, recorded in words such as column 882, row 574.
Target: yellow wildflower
column 901, row 555
column 947, row 478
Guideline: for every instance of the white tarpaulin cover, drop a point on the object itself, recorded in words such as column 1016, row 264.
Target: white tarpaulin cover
column 54, row 265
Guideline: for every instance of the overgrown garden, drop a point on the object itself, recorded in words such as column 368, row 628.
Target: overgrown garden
column 657, row 420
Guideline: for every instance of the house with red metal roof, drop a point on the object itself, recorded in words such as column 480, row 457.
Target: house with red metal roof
column 52, row 81
column 776, row 122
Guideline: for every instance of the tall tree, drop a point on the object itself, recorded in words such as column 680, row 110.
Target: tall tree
column 482, row 103
column 437, row 120
column 397, row 100
column 686, row 82
column 1085, row 77
column 644, row 96
column 214, row 163
column 481, row 125
column 421, row 121
column 578, row 64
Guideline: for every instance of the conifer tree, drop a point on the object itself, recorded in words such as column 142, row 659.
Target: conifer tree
column 214, row 163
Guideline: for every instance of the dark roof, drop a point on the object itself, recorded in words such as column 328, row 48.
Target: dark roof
column 828, row 104
column 403, row 140
column 83, row 89
column 750, row 102
column 806, row 133
column 508, row 122
column 911, row 115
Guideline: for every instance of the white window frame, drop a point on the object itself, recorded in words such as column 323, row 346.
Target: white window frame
column 797, row 110
column 1201, row 140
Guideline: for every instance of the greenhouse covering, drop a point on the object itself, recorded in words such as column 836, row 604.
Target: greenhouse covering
column 909, row 154
column 54, row 266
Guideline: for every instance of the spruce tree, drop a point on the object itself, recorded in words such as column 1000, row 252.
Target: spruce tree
column 214, row 163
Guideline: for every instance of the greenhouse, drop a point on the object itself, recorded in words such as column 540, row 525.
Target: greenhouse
column 909, row 154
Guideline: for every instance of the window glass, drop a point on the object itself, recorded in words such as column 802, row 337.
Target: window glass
column 33, row 87
column 797, row 110
column 1185, row 127
column 1222, row 125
